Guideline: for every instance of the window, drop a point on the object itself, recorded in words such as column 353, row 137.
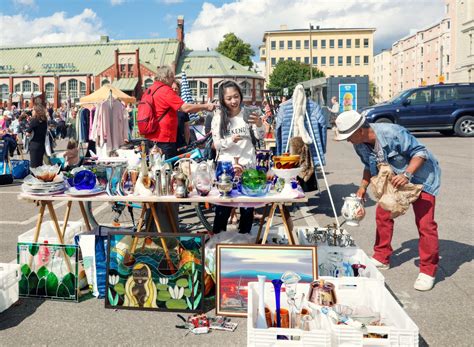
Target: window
column 290, row 44
column 263, row 51
column 246, row 89
column 331, row 61
column 447, row 59
column 72, row 86
column 465, row 93
column 281, row 59
column 449, row 24
column 202, row 89
column 105, row 81
column 282, row 44
column 340, row 61
column 357, row 43
column 315, row 43
column 421, row 51
column 18, row 88
column 148, row 83
column 323, row 44
column 63, row 92
column 4, row 92
column 306, row 44
column 348, row 60
column 323, row 61
column 331, row 43
column 216, row 88
column 348, row 43
column 444, row 94
column 49, row 91
column 273, row 61
column 82, row 89
column 298, row 44
column 26, row 86
column 366, row 43
column 193, row 87
column 421, row 67
column 306, row 60
column 258, row 90
column 122, row 68
column 290, row 59
column 340, row 43
column 35, row 87
column 420, row 97
column 366, row 60
column 471, row 44
column 39, row 55
column 357, row 60
column 97, row 52
column 298, row 59
column 315, row 60
column 273, row 45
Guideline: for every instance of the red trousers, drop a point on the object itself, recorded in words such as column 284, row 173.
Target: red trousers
column 424, row 209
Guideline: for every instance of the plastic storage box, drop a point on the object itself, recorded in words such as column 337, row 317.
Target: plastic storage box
column 10, row 275
column 48, row 233
column 399, row 329
column 352, row 255
column 268, row 337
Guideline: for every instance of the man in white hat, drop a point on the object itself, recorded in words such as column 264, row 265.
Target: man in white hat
column 411, row 162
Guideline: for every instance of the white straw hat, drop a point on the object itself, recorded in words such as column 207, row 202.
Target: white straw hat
column 347, row 123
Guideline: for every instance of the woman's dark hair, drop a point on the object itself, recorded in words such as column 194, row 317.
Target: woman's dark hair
column 224, row 111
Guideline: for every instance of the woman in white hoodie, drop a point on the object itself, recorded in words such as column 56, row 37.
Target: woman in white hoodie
column 234, row 137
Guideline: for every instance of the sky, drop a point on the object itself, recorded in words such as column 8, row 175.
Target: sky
column 59, row 21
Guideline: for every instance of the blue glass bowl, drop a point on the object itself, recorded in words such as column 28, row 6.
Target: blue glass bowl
column 84, row 180
column 260, row 191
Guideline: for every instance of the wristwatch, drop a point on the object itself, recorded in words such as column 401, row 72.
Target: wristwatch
column 408, row 175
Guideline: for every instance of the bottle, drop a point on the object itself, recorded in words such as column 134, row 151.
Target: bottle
column 146, row 180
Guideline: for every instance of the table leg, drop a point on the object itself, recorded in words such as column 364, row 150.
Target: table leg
column 52, row 213
column 170, row 214
column 66, row 217
column 38, row 229
column 262, row 221
column 163, row 243
column 287, row 223
column 84, row 216
column 269, row 223
column 139, row 227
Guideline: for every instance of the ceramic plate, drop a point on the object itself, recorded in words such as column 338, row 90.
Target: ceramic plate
column 86, row 192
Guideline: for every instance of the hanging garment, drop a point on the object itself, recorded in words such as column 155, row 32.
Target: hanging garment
column 84, row 125
column 91, row 122
column 110, row 125
column 318, row 126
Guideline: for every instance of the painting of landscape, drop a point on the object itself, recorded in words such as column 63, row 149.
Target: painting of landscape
column 237, row 265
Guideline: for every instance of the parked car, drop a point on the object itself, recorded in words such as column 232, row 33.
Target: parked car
column 447, row 108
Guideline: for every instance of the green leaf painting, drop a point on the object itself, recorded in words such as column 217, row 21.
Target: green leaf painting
column 33, row 249
column 70, row 250
column 52, row 283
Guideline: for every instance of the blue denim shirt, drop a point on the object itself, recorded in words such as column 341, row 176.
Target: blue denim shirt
column 399, row 146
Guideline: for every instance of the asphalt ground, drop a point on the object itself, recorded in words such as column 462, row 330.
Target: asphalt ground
column 443, row 315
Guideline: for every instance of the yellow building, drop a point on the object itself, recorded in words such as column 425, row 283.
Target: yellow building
column 336, row 52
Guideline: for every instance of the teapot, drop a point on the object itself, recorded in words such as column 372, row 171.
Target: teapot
column 353, row 210
column 225, row 185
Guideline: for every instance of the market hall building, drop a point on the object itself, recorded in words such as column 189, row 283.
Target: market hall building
column 63, row 73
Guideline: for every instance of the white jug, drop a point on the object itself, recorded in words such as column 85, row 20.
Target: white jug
column 353, row 210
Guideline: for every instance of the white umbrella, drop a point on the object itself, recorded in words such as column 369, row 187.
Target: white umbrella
column 186, row 94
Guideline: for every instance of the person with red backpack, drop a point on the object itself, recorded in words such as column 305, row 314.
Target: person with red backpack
column 157, row 116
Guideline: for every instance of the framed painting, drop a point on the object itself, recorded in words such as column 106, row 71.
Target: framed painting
column 150, row 272
column 237, row 265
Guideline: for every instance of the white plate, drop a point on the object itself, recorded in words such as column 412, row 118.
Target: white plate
column 86, row 192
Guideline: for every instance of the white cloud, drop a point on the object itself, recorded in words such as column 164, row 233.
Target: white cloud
column 58, row 27
column 249, row 19
column 24, row 2
column 116, row 2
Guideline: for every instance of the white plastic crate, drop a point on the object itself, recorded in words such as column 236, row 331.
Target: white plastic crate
column 10, row 275
column 353, row 255
column 48, row 233
column 268, row 337
column 356, row 291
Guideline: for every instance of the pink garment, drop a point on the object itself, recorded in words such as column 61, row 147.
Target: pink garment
column 110, row 125
column 91, row 122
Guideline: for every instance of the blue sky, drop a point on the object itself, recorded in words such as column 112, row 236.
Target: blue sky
column 52, row 21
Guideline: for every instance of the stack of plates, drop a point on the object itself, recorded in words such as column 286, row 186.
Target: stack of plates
column 85, row 192
column 35, row 186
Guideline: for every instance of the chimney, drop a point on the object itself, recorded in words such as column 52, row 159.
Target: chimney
column 104, row 39
column 283, row 27
column 180, row 32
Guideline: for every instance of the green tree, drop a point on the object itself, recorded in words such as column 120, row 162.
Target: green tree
column 288, row 73
column 373, row 94
column 236, row 49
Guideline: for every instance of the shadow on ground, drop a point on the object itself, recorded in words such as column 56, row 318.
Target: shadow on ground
column 452, row 256
column 17, row 313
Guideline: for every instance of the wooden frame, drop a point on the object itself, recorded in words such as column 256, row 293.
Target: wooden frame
column 252, row 270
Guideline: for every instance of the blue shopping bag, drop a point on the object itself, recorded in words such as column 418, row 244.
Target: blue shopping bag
column 20, row 168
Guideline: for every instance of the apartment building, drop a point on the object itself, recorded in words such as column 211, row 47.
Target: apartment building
column 382, row 76
column 462, row 39
column 336, row 52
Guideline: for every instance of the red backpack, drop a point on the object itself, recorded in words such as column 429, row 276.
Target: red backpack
column 146, row 116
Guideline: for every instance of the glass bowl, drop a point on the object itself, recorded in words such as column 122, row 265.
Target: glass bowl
column 46, row 173
column 255, row 192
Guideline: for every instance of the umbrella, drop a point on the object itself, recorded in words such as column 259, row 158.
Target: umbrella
column 186, row 95
column 103, row 93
